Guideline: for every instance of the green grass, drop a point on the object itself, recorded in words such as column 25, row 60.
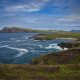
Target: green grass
column 57, row 35
column 72, row 44
column 71, row 56
column 64, row 65
column 43, row 72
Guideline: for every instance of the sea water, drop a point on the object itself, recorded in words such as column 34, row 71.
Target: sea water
column 18, row 48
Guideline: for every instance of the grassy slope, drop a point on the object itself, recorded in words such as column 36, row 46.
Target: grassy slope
column 44, row 72
column 71, row 56
column 63, row 65
column 57, row 35
column 72, row 44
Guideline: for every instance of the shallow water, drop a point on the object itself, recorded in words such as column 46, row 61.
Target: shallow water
column 17, row 48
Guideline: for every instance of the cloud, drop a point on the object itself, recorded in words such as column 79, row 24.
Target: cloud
column 66, row 22
column 70, row 21
column 52, row 22
column 55, row 6
column 54, row 14
column 65, row 6
column 32, row 6
column 70, row 18
column 63, row 3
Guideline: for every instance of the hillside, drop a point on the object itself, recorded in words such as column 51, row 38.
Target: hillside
column 72, row 44
column 71, row 56
column 36, row 72
column 14, row 29
column 18, row 29
column 63, row 65
column 56, row 35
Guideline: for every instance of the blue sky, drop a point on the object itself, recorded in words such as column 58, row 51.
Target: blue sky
column 40, row 14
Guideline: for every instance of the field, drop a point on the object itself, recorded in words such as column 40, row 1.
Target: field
column 63, row 65
column 43, row 72
column 56, row 35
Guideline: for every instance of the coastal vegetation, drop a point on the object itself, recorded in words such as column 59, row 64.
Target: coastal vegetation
column 43, row 34
column 39, row 72
column 71, row 56
column 56, row 35
column 62, row 65
column 18, row 29
column 72, row 44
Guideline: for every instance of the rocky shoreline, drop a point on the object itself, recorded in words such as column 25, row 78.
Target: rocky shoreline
column 69, row 56
column 64, row 36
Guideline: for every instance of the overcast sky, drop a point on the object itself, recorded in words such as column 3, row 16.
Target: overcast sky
column 40, row 14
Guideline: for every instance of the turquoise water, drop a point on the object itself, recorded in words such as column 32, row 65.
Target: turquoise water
column 17, row 48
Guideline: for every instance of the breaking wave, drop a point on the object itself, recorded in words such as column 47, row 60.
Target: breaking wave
column 54, row 46
column 22, row 51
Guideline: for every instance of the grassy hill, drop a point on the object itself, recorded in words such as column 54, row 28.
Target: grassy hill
column 71, row 56
column 43, row 72
column 18, row 29
column 55, row 35
column 72, row 44
column 63, row 65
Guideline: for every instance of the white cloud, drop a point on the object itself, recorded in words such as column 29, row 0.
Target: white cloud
column 66, row 6
column 70, row 18
column 45, row 21
column 29, row 7
column 53, row 21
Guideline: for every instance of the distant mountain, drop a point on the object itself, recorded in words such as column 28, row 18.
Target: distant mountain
column 14, row 29
column 18, row 29
column 75, row 31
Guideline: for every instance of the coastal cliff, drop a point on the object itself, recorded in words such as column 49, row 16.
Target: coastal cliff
column 62, row 65
column 14, row 29
column 71, row 56
column 69, row 45
column 18, row 29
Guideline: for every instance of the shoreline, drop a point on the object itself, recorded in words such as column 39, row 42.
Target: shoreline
column 68, row 38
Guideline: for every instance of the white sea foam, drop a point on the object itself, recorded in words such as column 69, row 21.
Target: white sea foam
column 55, row 46
column 36, row 40
column 40, row 46
column 4, row 46
column 22, row 51
column 32, row 44
column 5, row 41
column 48, row 47
column 65, row 48
column 17, row 40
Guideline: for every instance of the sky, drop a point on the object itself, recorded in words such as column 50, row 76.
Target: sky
column 40, row 14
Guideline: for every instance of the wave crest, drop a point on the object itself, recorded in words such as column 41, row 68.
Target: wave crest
column 55, row 46
column 22, row 51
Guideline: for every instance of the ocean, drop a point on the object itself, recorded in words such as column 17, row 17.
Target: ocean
column 18, row 48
